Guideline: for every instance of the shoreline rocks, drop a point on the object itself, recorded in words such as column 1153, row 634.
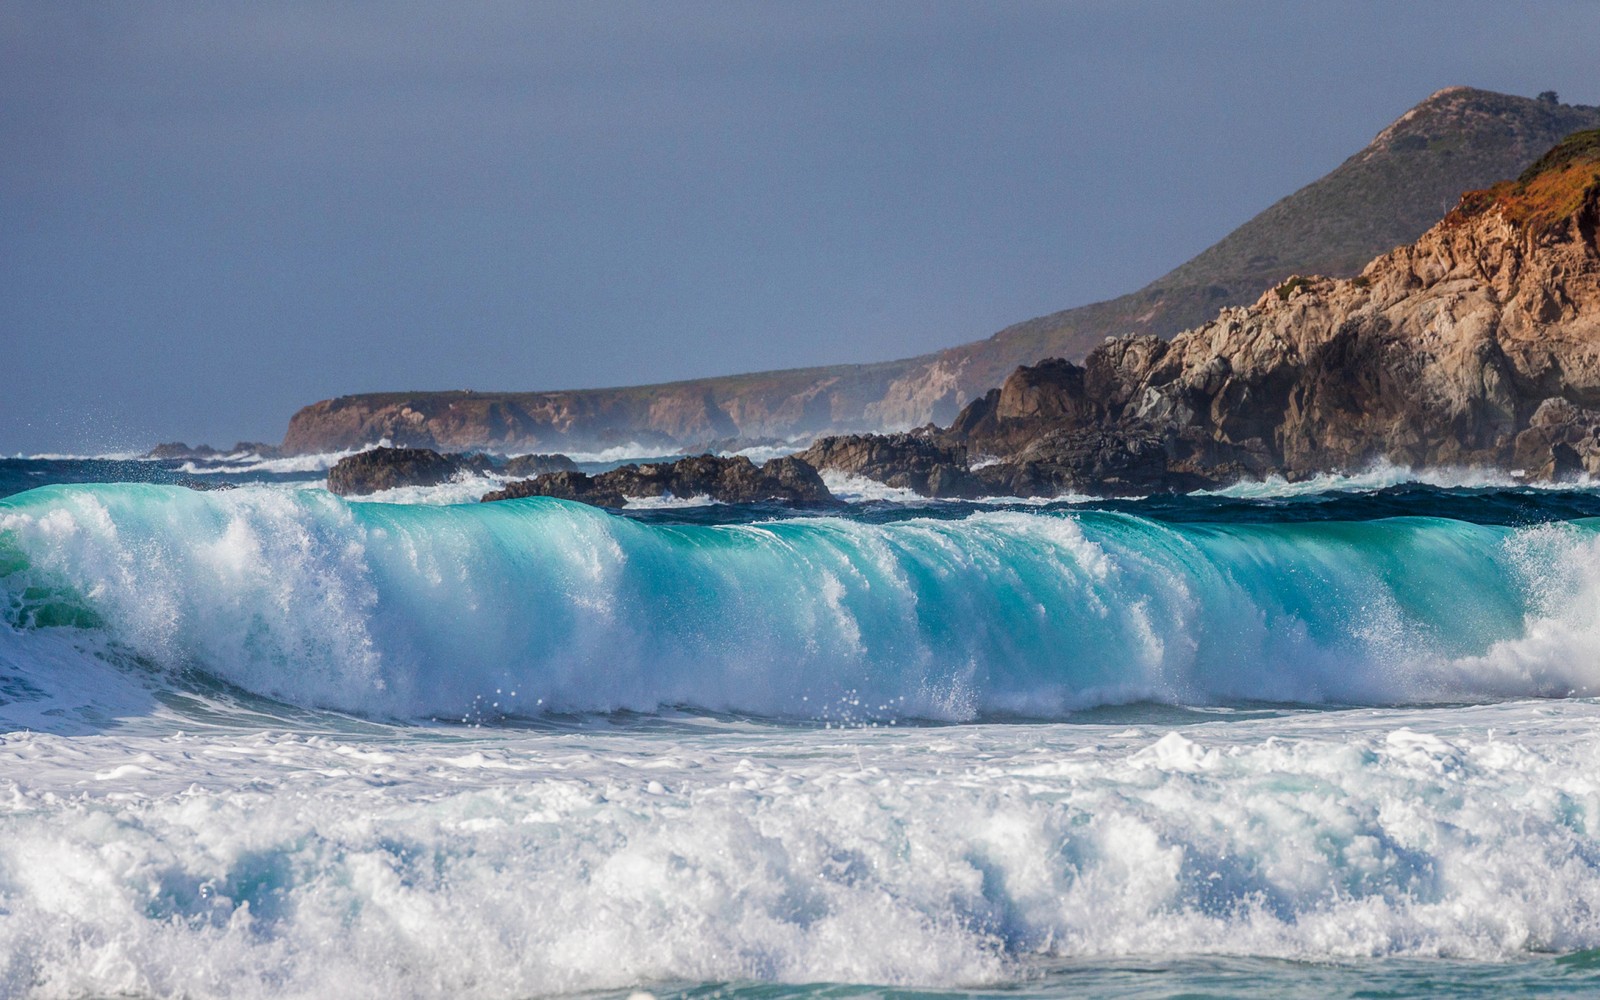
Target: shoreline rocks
column 920, row 461
column 1476, row 346
column 378, row 469
column 388, row 468
column 729, row 480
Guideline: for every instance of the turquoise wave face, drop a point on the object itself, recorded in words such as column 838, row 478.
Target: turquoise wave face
column 542, row 606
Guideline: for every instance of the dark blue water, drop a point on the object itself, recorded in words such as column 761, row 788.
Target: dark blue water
column 1509, row 505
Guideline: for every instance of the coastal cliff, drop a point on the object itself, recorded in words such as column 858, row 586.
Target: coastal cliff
column 668, row 417
column 1477, row 345
column 1385, row 195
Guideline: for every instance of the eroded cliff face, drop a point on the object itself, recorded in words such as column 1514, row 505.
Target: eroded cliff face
column 1477, row 345
column 460, row 421
column 927, row 393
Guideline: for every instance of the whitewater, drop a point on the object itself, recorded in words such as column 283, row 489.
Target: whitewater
column 1327, row 739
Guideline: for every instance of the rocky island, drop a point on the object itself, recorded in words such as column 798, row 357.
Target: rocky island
column 789, row 481
column 378, row 469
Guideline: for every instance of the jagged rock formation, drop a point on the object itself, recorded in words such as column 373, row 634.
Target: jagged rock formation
column 920, row 461
column 1385, row 195
column 729, row 480
column 579, row 486
column 387, row 468
column 1478, row 345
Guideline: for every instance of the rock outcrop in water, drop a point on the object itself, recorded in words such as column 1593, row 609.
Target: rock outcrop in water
column 920, row 460
column 388, row 468
column 1478, row 345
column 729, row 480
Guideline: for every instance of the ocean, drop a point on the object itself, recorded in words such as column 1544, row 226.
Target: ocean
column 1328, row 739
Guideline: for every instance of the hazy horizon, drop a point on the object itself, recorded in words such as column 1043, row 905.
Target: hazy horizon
column 212, row 216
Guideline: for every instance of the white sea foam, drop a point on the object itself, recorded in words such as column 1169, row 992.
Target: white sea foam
column 762, row 454
column 246, row 465
column 1383, row 475
column 670, row 502
column 225, row 863
column 111, row 456
column 239, row 463
column 860, row 489
column 616, row 454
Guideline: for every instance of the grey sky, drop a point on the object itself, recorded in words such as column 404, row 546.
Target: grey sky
column 211, row 214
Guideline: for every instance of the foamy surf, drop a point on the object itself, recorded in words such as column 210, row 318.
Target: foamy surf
column 267, row 864
column 268, row 742
column 1385, row 475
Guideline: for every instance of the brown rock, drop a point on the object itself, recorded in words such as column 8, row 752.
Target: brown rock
column 1477, row 345
column 1456, row 139
column 1561, row 442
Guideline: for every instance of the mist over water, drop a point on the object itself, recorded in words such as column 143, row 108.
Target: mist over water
column 267, row 742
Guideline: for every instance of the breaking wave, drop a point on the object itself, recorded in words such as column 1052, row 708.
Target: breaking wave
column 542, row 606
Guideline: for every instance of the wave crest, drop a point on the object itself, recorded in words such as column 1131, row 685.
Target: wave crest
column 540, row 605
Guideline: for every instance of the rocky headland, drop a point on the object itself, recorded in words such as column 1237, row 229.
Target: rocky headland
column 1385, row 195
column 1477, row 345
